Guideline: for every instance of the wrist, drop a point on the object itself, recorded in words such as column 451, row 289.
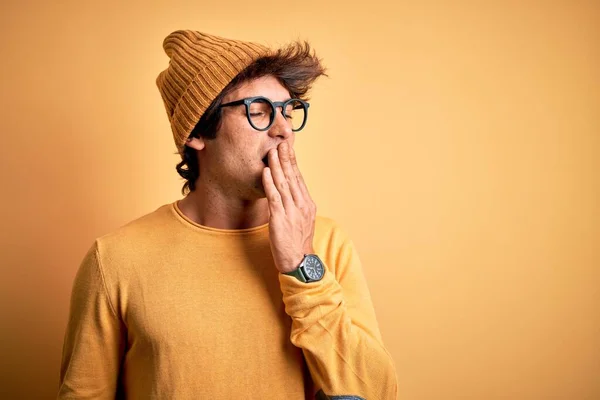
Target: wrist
column 297, row 260
column 310, row 269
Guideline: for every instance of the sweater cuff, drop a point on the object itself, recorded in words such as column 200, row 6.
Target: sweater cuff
column 300, row 297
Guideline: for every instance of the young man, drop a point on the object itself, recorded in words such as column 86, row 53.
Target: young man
column 238, row 290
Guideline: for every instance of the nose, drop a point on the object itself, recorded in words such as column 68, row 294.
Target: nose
column 281, row 127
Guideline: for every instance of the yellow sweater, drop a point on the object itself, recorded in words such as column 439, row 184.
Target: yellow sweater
column 164, row 308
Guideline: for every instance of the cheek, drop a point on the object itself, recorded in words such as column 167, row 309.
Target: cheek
column 240, row 146
column 242, row 153
column 233, row 142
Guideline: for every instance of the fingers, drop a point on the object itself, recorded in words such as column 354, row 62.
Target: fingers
column 273, row 196
column 298, row 176
column 281, row 183
column 285, row 155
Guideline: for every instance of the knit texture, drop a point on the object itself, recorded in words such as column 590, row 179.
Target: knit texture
column 200, row 66
column 164, row 308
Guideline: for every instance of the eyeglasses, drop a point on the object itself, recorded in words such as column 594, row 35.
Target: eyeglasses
column 260, row 112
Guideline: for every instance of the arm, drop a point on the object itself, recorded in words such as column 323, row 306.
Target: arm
column 333, row 320
column 95, row 337
column 334, row 323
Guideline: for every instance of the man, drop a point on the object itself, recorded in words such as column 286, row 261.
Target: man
column 238, row 290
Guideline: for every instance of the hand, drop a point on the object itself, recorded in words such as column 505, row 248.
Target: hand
column 292, row 211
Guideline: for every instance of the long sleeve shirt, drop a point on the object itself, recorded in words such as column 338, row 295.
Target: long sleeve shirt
column 165, row 308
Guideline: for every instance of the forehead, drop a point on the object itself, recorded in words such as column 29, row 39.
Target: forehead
column 267, row 86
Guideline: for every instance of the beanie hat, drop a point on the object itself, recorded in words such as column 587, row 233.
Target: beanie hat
column 200, row 67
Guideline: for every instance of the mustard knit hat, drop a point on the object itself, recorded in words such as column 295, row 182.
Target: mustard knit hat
column 200, row 67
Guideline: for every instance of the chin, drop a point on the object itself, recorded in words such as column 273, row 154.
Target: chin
column 261, row 192
column 258, row 191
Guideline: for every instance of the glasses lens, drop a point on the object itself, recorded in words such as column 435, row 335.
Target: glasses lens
column 296, row 114
column 260, row 113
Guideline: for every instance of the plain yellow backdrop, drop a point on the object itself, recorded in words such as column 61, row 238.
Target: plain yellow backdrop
column 457, row 142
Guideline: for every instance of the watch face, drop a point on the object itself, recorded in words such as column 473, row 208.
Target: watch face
column 313, row 268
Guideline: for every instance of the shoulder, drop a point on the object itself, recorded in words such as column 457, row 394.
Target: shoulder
column 138, row 235
column 336, row 248
column 140, row 227
column 330, row 233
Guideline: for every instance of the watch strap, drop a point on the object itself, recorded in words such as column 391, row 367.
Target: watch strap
column 297, row 273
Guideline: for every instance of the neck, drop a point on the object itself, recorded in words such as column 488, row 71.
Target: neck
column 210, row 207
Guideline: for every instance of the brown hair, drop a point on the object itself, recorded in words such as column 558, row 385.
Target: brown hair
column 296, row 66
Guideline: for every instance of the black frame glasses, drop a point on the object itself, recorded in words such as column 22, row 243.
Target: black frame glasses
column 274, row 104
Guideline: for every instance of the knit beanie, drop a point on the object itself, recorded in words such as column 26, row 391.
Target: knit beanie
column 200, row 66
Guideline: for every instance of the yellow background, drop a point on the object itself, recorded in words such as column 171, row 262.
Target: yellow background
column 457, row 142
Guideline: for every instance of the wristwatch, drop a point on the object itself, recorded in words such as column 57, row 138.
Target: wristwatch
column 311, row 269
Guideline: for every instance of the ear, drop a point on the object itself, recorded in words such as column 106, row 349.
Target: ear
column 195, row 143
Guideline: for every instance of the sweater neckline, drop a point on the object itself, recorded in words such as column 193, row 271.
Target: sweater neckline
column 187, row 221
